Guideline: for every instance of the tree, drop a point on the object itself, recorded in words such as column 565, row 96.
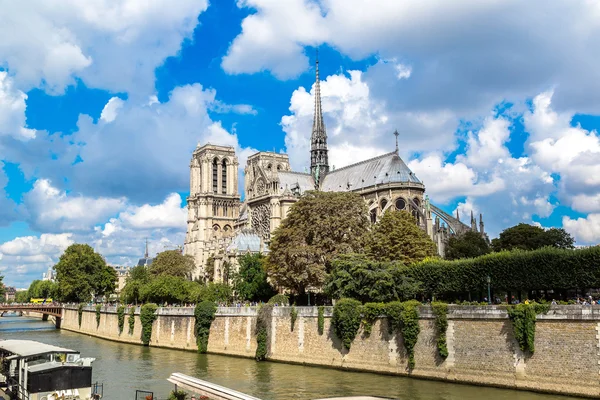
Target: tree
column 173, row 263
column 81, row 273
column 42, row 290
column 169, row 289
column 138, row 277
column 320, row 226
column 215, row 292
column 469, row 244
column 357, row 277
column 530, row 237
column 396, row 237
column 21, row 297
column 250, row 282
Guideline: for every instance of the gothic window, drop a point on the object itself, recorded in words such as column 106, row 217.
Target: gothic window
column 214, row 208
column 224, row 177
column 261, row 220
column 373, row 215
column 215, row 173
column 279, row 168
column 400, row 203
column 260, row 187
column 383, row 204
column 225, row 210
column 417, row 202
column 269, row 167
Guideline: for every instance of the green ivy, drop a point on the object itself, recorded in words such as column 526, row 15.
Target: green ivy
column 404, row 318
column 263, row 322
column 523, row 317
column 204, row 315
column 321, row 320
column 121, row 318
column 147, row 316
column 370, row 312
column 177, row 395
column 131, row 320
column 80, row 313
column 440, row 311
column 98, row 308
column 293, row 317
column 346, row 320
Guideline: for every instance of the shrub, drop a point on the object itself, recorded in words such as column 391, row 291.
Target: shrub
column 121, row 318
column 440, row 311
column 177, row 395
column 321, row 320
column 131, row 320
column 147, row 317
column 346, row 320
column 404, row 318
column 263, row 323
column 204, row 315
column 80, row 313
column 293, row 317
column 98, row 308
column 523, row 317
column 279, row 299
column 370, row 313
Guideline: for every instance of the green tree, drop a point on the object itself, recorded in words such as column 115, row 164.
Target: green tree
column 357, row 277
column 396, row 237
column 81, row 273
column 467, row 245
column 320, row 226
column 42, row 290
column 250, row 282
column 169, row 289
column 530, row 237
column 138, row 277
column 215, row 292
column 173, row 263
column 21, row 296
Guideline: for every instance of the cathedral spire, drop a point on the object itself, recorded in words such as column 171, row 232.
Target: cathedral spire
column 319, row 164
column 146, row 252
column 396, row 134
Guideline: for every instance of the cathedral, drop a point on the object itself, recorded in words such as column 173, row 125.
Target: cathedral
column 221, row 226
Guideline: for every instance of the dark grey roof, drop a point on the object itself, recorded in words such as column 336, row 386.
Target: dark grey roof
column 387, row 168
column 146, row 261
column 289, row 178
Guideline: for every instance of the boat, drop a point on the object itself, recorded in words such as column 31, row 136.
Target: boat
column 31, row 370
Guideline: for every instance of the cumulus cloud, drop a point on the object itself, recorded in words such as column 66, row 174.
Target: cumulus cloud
column 585, row 230
column 113, row 45
column 169, row 214
column 12, row 110
column 110, row 110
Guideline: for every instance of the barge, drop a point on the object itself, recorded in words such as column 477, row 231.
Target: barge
column 32, row 370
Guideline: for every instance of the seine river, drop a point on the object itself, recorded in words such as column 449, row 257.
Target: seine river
column 123, row 368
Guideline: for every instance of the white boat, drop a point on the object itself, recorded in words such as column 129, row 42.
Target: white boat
column 32, row 370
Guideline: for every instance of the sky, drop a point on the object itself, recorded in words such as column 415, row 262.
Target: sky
column 103, row 102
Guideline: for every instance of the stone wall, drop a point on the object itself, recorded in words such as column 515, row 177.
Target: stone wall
column 481, row 344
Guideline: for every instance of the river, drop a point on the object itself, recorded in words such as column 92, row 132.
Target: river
column 123, row 368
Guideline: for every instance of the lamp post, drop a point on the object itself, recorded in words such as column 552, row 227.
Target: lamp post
column 489, row 280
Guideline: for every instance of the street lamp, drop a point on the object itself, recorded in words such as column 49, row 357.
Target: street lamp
column 489, row 280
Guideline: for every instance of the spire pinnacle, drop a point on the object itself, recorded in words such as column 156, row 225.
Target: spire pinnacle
column 319, row 163
column 396, row 134
column 146, row 252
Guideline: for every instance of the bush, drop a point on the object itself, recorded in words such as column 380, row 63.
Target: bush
column 147, row 317
column 523, row 317
column 121, row 318
column 131, row 320
column 440, row 311
column 279, row 299
column 177, row 395
column 321, row 320
column 293, row 317
column 98, row 308
column 404, row 318
column 346, row 320
column 370, row 313
column 204, row 315
column 80, row 313
column 263, row 323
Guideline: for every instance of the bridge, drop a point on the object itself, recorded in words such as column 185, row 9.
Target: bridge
column 44, row 309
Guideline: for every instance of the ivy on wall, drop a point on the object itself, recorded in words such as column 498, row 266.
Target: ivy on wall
column 147, row 317
column 293, row 318
column 440, row 311
column 131, row 320
column 370, row 312
column 523, row 317
column 80, row 313
column 263, row 323
column 98, row 314
column 121, row 318
column 403, row 317
column 346, row 320
column 321, row 320
column 204, row 315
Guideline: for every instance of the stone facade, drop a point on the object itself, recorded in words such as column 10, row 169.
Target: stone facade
column 481, row 344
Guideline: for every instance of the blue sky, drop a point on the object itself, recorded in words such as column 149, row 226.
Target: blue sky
column 101, row 106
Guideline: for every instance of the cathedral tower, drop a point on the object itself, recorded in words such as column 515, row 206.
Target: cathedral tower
column 319, row 163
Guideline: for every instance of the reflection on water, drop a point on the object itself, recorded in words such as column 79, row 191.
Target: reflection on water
column 123, row 368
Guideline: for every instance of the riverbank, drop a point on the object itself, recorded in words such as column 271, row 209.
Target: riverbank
column 482, row 349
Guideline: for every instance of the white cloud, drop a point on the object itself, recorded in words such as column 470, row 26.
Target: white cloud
column 585, row 230
column 110, row 110
column 12, row 110
column 115, row 45
column 53, row 210
column 45, row 244
column 169, row 214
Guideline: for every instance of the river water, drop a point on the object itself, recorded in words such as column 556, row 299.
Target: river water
column 123, row 368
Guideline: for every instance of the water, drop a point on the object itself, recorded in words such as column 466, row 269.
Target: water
column 123, row 368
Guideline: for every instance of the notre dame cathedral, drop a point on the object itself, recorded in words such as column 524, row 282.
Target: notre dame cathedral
column 220, row 226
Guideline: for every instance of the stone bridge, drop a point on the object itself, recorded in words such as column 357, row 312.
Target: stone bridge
column 44, row 309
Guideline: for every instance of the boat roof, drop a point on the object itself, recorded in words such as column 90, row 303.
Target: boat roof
column 28, row 348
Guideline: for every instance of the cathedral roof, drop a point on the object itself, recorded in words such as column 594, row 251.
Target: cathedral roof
column 245, row 241
column 291, row 179
column 387, row 168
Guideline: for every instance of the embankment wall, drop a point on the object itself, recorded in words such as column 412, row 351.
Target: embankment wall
column 481, row 344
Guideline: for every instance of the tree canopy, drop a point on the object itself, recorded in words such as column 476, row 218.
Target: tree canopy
column 172, row 263
column 250, row 282
column 42, row 290
column 317, row 228
column 82, row 273
column 469, row 244
column 396, row 237
column 530, row 237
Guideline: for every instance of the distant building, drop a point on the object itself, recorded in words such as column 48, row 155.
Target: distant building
column 10, row 293
column 146, row 261
column 122, row 274
column 49, row 275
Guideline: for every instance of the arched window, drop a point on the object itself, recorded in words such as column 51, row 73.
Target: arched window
column 373, row 215
column 224, row 176
column 214, row 208
column 417, row 201
column 215, row 174
column 269, row 167
column 400, row 203
column 383, row 204
column 278, row 167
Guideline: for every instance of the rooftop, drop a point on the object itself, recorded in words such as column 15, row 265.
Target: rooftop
column 29, row 348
